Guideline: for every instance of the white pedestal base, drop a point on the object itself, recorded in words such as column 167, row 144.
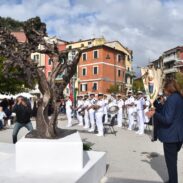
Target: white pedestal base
column 49, row 155
column 94, row 168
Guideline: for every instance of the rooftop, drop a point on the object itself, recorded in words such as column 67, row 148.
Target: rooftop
column 20, row 36
column 174, row 49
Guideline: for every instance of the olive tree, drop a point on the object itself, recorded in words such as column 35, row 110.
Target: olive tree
column 18, row 55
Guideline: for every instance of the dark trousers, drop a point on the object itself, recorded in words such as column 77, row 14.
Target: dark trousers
column 1, row 124
column 18, row 126
column 171, row 153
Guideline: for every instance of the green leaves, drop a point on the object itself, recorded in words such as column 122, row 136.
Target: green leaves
column 113, row 89
column 11, row 24
column 179, row 79
column 8, row 85
column 86, row 147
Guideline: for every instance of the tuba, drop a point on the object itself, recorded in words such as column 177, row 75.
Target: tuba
column 113, row 109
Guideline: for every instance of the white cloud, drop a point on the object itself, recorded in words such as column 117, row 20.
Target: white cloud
column 146, row 27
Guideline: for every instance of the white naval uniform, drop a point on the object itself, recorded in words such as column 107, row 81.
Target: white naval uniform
column 130, row 111
column 135, row 110
column 86, row 115
column 140, row 114
column 105, row 110
column 125, row 113
column 80, row 117
column 147, row 103
column 68, row 112
column 99, row 115
column 92, row 114
column 120, row 104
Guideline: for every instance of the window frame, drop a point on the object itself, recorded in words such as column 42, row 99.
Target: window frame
column 97, row 70
column 93, row 85
column 119, row 73
column 50, row 62
column 36, row 57
column 86, row 87
column 85, row 53
column 94, row 54
column 85, row 71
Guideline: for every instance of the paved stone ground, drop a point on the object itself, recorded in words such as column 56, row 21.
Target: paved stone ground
column 130, row 158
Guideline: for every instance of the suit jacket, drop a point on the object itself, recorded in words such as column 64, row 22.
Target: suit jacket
column 170, row 120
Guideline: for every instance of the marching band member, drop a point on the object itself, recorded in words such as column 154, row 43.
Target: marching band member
column 125, row 113
column 80, row 103
column 135, row 115
column 69, row 111
column 99, row 107
column 105, row 108
column 92, row 112
column 85, row 108
column 130, row 109
column 120, row 104
column 147, row 106
column 140, row 103
column 113, row 99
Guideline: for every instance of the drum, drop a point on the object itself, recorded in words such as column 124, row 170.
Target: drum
column 113, row 109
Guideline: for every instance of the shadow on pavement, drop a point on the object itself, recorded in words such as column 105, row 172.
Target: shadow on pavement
column 121, row 180
column 157, row 163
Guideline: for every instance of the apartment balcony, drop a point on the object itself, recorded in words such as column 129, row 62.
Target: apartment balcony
column 170, row 58
column 128, row 85
column 130, row 73
column 170, row 70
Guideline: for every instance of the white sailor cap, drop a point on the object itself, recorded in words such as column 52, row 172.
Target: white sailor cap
column 139, row 92
column 100, row 94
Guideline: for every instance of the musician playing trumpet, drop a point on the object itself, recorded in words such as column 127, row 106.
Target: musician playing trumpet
column 85, row 109
column 129, row 104
column 120, row 104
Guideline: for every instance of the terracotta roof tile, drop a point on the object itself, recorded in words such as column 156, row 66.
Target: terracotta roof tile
column 21, row 37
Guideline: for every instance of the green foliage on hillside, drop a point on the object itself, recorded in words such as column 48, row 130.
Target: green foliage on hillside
column 10, row 24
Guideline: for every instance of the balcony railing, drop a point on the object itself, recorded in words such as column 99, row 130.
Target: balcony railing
column 170, row 70
column 130, row 73
column 170, row 58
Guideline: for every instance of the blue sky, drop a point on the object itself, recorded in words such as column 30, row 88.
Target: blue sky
column 148, row 27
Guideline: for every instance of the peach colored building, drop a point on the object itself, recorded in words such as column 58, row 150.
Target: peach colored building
column 100, row 67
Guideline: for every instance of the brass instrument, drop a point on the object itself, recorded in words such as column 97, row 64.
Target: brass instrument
column 95, row 107
column 113, row 109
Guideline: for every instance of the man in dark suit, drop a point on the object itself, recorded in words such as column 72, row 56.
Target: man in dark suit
column 170, row 127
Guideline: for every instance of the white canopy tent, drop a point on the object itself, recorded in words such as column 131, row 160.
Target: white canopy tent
column 24, row 94
column 3, row 96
